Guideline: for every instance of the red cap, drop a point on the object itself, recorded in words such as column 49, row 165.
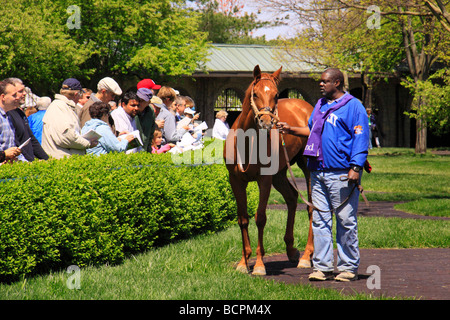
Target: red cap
column 149, row 84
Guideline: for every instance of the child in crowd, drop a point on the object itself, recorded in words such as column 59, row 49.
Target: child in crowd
column 156, row 143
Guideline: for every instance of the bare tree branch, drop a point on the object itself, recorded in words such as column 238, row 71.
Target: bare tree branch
column 440, row 12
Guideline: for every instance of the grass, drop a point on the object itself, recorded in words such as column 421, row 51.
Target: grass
column 202, row 268
column 422, row 181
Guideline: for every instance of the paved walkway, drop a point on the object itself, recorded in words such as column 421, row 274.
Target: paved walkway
column 416, row 273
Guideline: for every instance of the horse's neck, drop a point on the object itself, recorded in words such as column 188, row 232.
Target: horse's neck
column 246, row 118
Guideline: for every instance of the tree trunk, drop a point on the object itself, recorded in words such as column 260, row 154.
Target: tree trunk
column 421, row 136
column 367, row 93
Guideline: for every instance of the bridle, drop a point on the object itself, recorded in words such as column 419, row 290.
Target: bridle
column 264, row 110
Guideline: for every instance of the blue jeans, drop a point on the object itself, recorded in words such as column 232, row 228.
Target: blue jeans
column 329, row 191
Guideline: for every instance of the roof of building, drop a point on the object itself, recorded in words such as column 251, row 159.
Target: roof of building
column 244, row 58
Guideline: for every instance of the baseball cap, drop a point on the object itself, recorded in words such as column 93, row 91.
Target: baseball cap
column 149, row 84
column 109, row 84
column 157, row 102
column 145, row 94
column 72, row 84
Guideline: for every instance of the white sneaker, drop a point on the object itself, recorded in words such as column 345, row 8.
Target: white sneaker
column 346, row 276
column 320, row 275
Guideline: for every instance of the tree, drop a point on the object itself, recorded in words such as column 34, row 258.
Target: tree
column 434, row 95
column 43, row 42
column 440, row 11
column 426, row 40
column 147, row 37
column 356, row 35
column 35, row 47
column 226, row 22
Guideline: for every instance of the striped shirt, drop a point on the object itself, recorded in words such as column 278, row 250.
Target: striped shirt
column 7, row 134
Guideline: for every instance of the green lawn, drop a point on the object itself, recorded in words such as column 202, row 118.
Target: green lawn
column 203, row 267
column 422, row 181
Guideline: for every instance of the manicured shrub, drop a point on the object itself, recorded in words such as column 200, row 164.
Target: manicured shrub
column 87, row 210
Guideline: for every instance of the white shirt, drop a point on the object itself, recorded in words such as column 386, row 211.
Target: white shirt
column 220, row 130
column 124, row 122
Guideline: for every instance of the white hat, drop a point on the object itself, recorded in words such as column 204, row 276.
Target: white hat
column 43, row 103
column 189, row 110
column 109, row 84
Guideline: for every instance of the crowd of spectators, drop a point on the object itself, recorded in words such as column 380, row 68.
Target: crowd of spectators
column 78, row 120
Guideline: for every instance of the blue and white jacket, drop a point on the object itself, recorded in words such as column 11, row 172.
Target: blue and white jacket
column 345, row 137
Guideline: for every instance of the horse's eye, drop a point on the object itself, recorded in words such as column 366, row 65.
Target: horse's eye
column 255, row 96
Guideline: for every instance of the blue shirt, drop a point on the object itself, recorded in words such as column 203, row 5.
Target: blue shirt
column 345, row 137
column 36, row 124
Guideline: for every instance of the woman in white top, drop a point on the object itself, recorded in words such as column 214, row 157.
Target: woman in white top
column 221, row 127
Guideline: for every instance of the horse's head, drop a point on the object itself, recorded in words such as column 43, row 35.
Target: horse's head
column 264, row 98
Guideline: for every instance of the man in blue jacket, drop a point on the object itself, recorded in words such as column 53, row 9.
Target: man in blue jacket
column 337, row 148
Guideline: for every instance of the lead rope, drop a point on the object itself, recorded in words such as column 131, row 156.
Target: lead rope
column 342, row 178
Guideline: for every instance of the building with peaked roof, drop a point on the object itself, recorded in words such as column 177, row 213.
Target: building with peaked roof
column 222, row 81
column 227, row 58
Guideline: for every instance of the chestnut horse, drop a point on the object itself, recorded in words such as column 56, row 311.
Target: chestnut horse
column 260, row 139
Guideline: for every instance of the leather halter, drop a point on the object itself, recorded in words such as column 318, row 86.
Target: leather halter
column 266, row 110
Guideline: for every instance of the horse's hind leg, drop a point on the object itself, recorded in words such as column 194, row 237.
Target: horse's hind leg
column 290, row 195
column 239, row 188
column 305, row 261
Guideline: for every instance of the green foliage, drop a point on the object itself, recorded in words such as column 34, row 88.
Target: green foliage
column 229, row 26
column 434, row 97
column 45, row 42
column 88, row 210
column 150, row 37
column 35, row 46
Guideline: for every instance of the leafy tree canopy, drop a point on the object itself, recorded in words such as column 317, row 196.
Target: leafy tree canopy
column 226, row 22
column 47, row 41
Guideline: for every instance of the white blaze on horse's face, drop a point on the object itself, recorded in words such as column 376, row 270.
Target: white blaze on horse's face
column 265, row 99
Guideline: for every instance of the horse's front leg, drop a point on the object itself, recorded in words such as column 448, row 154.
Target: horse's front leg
column 239, row 188
column 264, row 184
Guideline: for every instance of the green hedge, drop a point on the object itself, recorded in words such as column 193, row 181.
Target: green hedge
column 87, row 210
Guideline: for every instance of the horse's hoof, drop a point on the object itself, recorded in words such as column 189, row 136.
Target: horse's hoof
column 259, row 271
column 303, row 264
column 294, row 257
column 242, row 269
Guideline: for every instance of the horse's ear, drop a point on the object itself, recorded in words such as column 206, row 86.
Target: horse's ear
column 277, row 75
column 257, row 72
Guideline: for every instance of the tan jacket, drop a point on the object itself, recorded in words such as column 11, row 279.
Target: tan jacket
column 61, row 131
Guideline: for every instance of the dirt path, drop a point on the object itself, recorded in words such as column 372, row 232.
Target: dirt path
column 417, row 273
